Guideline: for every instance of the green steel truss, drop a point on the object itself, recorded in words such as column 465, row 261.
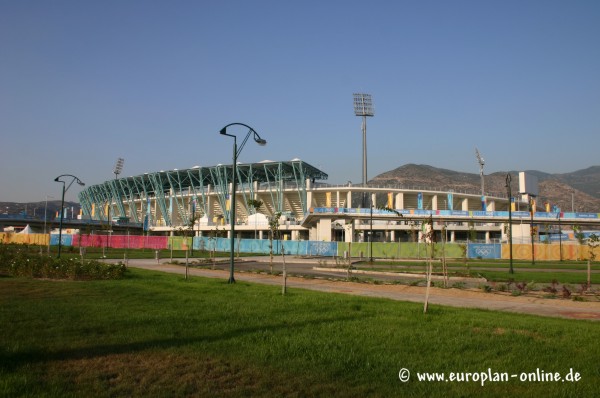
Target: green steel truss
column 157, row 195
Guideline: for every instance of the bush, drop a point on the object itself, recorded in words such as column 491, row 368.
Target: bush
column 458, row 285
column 486, row 288
column 15, row 261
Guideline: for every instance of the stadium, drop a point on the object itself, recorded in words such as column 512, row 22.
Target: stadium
column 198, row 201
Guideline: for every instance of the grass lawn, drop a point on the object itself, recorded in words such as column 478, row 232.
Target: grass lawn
column 154, row 334
column 572, row 278
column 543, row 272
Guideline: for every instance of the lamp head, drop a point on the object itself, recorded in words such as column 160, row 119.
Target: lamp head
column 257, row 138
column 223, row 130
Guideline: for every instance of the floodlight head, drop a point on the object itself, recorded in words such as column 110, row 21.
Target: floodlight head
column 363, row 105
column 118, row 166
column 259, row 140
column 480, row 158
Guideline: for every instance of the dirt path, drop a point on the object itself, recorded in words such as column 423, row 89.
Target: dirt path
column 465, row 298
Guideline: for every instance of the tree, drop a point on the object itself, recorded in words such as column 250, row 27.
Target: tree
column 429, row 238
column 275, row 233
column 472, row 232
column 185, row 229
column 593, row 241
column 273, row 230
column 580, row 238
column 213, row 236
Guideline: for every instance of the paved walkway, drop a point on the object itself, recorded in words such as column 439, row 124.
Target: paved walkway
column 450, row 297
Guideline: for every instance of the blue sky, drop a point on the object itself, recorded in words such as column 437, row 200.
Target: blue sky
column 85, row 82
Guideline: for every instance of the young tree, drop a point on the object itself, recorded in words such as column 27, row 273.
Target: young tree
column 212, row 238
column 187, row 230
column 580, row 238
column 273, row 230
column 275, row 233
column 593, row 241
column 429, row 238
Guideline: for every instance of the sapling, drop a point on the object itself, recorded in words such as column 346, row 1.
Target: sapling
column 593, row 241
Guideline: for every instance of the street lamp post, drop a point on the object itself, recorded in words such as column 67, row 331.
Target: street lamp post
column 532, row 229
column 510, row 248
column 46, row 218
column 559, row 236
column 371, row 232
column 65, row 188
column 236, row 153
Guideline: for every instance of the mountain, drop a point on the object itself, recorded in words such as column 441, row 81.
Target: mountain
column 579, row 190
column 586, row 180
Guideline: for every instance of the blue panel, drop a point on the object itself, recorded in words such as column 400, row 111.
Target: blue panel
column 541, row 214
column 322, row 249
column 253, row 246
column 521, row 214
column 261, row 246
column 554, row 237
column 586, row 215
column 483, row 214
column 463, row 213
column 423, row 212
column 67, row 240
column 484, row 250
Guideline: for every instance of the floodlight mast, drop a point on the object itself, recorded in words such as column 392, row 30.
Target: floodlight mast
column 481, row 162
column 363, row 106
column 118, row 167
column 116, row 171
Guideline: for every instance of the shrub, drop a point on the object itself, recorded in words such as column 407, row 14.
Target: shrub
column 553, row 288
column 486, row 288
column 15, row 261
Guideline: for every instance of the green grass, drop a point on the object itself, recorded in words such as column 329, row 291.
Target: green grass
column 497, row 271
column 539, row 277
column 154, row 334
column 456, row 264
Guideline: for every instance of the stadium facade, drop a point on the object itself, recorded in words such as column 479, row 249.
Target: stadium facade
column 198, row 200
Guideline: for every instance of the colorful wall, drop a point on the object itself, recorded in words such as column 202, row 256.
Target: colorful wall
column 390, row 250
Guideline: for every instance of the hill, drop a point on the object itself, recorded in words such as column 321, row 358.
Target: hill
column 579, row 190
